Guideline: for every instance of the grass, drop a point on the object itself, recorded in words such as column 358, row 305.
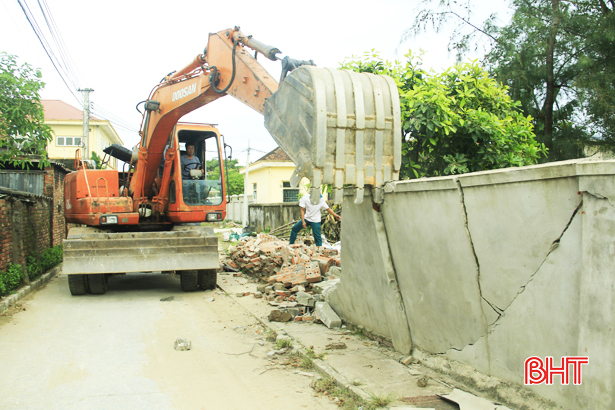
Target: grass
column 312, row 355
column 271, row 335
column 342, row 396
column 377, row 401
column 346, row 400
column 282, row 343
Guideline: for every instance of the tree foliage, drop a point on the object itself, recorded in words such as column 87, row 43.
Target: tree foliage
column 458, row 121
column 235, row 179
column 556, row 56
column 23, row 133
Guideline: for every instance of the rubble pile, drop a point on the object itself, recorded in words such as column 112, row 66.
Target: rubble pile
column 297, row 277
column 296, row 264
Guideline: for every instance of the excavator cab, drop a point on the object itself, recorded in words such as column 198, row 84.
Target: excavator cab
column 196, row 188
column 201, row 176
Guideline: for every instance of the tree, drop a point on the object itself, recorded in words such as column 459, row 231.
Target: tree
column 235, row 179
column 596, row 79
column 23, row 133
column 457, row 121
column 556, row 56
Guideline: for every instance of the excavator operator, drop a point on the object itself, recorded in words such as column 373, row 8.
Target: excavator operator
column 189, row 161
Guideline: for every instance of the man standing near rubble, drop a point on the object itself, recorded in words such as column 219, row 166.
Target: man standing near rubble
column 310, row 215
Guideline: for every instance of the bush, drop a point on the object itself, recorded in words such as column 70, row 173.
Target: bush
column 49, row 258
column 10, row 279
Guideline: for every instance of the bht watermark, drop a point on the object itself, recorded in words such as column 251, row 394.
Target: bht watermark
column 537, row 371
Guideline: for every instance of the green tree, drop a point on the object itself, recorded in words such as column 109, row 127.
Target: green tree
column 457, row 121
column 556, row 56
column 235, row 179
column 23, row 133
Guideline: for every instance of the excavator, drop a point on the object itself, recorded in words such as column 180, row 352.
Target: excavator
column 339, row 127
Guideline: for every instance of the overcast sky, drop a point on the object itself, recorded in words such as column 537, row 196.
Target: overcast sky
column 122, row 49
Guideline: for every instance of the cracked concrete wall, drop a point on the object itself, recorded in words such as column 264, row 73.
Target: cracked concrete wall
column 368, row 293
column 495, row 267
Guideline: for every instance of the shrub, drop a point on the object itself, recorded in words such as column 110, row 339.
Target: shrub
column 13, row 276
column 49, row 258
column 10, row 279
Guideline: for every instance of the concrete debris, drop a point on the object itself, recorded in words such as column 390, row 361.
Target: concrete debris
column 467, row 401
column 422, row 382
column 305, row 299
column 327, row 315
column 408, row 360
column 320, row 287
column 298, row 277
column 211, row 299
column 336, row 345
column 182, row 344
column 293, row 265
column 277, row 315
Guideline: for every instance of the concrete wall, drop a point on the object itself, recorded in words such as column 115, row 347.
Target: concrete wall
column 234, row 208
column 263, row 216
column 491, row 268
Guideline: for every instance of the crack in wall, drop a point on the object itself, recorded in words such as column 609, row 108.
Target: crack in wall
column 598, row 196
column 554, row 246
column 499, row 311
column 476, row 261
column 480, row 291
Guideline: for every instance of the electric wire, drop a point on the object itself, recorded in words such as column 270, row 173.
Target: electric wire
column 62, row 61
column 45, row 45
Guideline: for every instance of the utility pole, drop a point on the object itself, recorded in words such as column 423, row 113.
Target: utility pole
column 246, row 216
column 86, row 122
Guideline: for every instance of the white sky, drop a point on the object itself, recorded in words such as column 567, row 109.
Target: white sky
column 122, row 49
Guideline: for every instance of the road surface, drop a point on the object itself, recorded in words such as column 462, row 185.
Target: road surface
column 115, row 351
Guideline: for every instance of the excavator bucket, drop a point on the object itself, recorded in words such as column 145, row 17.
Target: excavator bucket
column 339, row 128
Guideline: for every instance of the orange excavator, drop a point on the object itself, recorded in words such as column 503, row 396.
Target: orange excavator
column 339, row 127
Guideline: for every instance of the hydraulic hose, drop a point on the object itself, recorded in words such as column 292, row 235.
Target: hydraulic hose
column 214, row 75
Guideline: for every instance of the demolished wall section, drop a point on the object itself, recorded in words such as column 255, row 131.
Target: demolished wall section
column 495, row 267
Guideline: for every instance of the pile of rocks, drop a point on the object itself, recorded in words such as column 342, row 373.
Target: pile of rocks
column 298, row 277
column 296, row 264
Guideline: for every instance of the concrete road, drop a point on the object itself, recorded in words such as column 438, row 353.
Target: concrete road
column 115, row 351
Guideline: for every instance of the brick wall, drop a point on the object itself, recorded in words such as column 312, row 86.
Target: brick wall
column 29, row 223
column 54, row 188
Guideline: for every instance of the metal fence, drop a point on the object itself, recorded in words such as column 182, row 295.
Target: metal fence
column 25, row 181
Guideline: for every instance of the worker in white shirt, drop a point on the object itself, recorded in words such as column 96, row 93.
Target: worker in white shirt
column 310, row 215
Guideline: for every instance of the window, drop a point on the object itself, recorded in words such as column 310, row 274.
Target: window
column 288, row 194
column 68, row 141
column 254, row 191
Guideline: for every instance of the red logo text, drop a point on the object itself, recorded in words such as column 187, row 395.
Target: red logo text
column 537, row 371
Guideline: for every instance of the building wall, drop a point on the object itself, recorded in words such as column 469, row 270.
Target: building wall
column 490, row 269
column 268, row 179
column 97, row 135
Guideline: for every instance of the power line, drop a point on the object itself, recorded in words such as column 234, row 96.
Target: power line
column 62, row 61
column 45, row 44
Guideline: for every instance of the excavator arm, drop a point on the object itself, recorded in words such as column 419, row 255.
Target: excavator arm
column 339, row 127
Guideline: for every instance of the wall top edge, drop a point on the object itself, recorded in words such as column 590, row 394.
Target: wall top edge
column 552, row 170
